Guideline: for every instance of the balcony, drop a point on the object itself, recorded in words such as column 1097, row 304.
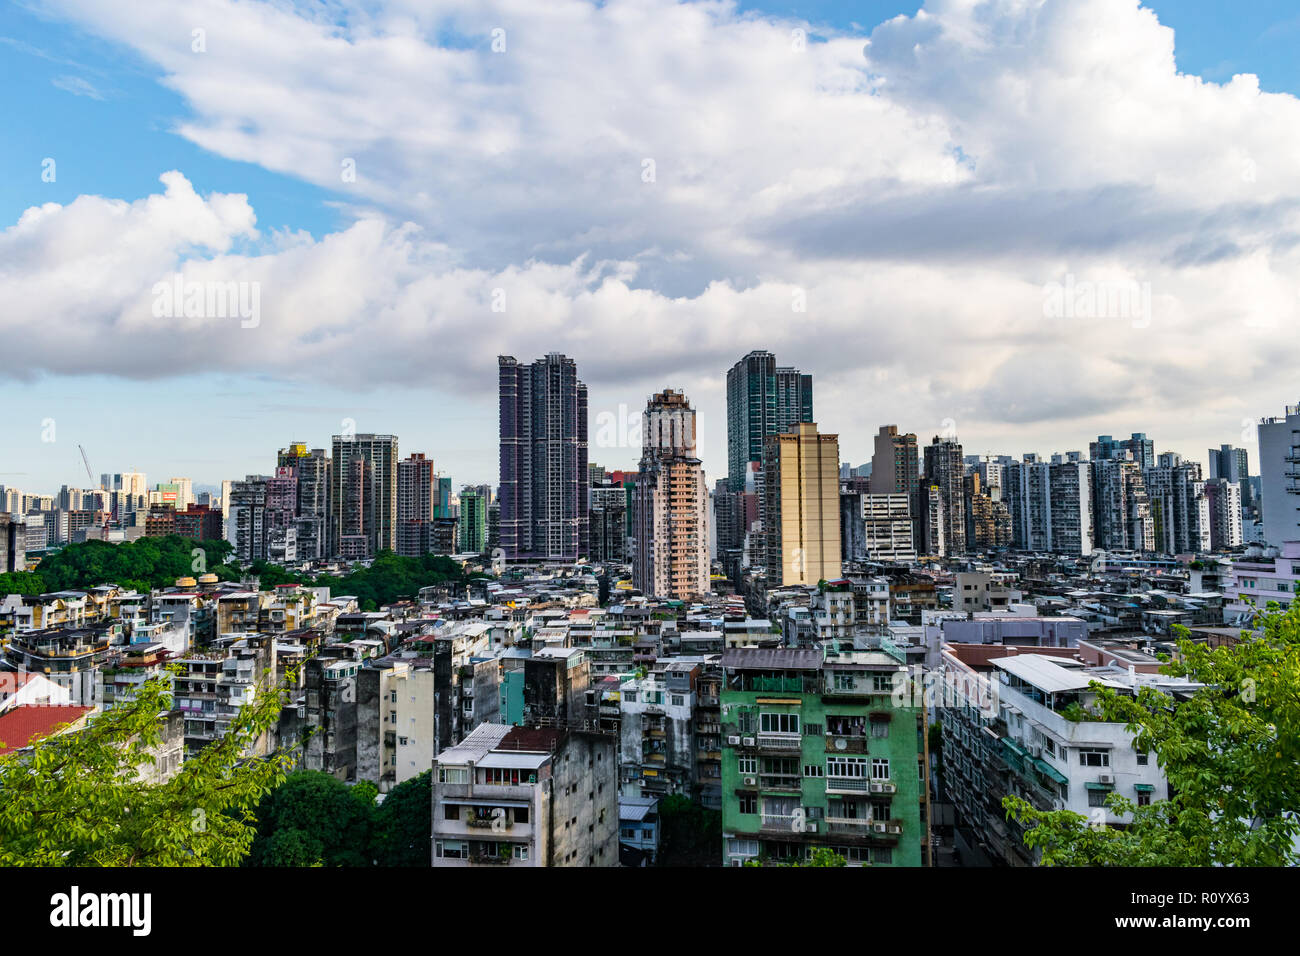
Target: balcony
column 838, row 743
column 781, row 742
column 850, row 826
column 777, row 823
column 792, row 782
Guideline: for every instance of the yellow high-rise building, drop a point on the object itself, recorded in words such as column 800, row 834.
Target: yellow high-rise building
column 801, row 506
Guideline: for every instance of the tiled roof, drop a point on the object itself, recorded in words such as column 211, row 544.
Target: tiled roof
column 19, row 725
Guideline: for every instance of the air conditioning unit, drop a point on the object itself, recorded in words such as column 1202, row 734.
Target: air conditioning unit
column 751, row 781
column 1036, row 750
column 1106, row 778
column 877, row 788
column 733, row 741
column 749, row 741
column 810, row 828
column 880, row 827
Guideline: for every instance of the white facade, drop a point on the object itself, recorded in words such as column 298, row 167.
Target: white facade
column 1279, row 466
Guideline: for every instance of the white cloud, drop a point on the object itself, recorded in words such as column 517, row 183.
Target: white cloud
column 921, row 184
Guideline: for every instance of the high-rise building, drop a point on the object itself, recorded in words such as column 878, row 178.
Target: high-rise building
column 363, row 495
column 1234, row 465
column 895, row 462
column 544, row 475
column 801, row 506
column 877, row 527
column 671, row 554
column 311, row 472
column 13, row 544
column 1050, row 504
column 610, row 513
column 1279, row 471
column 472, row 534
column 1223, row 498
column 1138, row 448
column 1179, row 508
column 945, row 469
column 1121, row 506
column 246, row 521
column 418, row 501
column 762, row 400
column 988, row 523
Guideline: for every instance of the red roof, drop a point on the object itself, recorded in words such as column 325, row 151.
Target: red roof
column 19, row 725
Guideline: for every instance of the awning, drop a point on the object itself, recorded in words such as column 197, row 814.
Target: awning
column 1013, row 747
column 1049, row 771
column 1093, row 785
column 1144, row 788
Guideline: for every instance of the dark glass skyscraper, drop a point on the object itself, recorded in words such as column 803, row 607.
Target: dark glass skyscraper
column 544, row 480
column 762, row 400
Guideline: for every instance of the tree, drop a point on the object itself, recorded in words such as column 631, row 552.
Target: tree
column 403, row 824
column 331, row 822
column 76, row 798
column 689, row 835
column 1231, row 754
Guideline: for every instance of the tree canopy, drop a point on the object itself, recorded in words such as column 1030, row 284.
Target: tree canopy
column 78, row 798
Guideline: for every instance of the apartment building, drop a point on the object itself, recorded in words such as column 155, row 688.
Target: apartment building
column 516, row 796
column 801, row 502
column 817, row 754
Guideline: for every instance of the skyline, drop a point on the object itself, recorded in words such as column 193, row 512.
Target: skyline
column 653, row 189
column 624, row 454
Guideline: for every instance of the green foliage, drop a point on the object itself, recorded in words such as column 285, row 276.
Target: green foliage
column 1231, row 754
column 1075, row 712
column 689, row 834
column 314, row 817
column 403, row 824
column 21, row 582
column 157, row 562
column 821, row 856
column 76, row 798
column 143, row 564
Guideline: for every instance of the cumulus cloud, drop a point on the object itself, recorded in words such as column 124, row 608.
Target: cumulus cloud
column 653, row 184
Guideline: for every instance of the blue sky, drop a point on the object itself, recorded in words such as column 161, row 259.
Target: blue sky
column 106, row 115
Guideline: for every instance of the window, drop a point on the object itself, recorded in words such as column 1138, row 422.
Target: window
column 1094, row 758
column 744, row 848
column 843, row 680
column 678, row 700
column 812, row 730
column 1049, row 746
column 748, row 803
column 1142, row 758
column 748, row 766
column 392, row 716
column 451, row 811
column 521, row 814
column 1097, row 798
column 521, row 852
column 778, row 723
column 812, row 770
column 452, row 849
column 453, row 775
column 882, row 854
column 880, row 810
column 879, row 727
column 630, row 696
column 1144, row 799
column 393, row 697
column 847, row 767
column 882, row 683
column 401, row 741
column 880, row 768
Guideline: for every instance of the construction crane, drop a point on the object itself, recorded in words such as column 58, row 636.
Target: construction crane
column 86, row 461
column 103, row 532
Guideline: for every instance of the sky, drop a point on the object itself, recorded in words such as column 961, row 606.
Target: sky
column 1025, row 222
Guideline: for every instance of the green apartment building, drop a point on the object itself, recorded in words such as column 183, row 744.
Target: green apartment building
column 818, row 753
